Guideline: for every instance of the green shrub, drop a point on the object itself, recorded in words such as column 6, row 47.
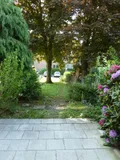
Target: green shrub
column 66, row 76
column 16, row 82
column 80, row 92
column 92, row 112
column 95, row 76
column 54, row 70
column 42, row 70
column 11, row 82
column 32, row 87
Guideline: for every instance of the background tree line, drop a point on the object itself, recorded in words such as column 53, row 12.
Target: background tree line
column 73, row 30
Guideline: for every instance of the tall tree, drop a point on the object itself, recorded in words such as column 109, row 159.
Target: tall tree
column 14, row 35
column 97, row 26
column 46, row 19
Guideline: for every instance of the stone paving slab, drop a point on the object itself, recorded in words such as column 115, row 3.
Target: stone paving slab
column 53, row 139
column 40, row 127
column 37, row 145
column 4, row 144
column 46, row 135
column 14, row 135
column 47, row 121
column 17, row 145
column 66, row 155
column 26, row 127
column 25, row 155
column 46, row 155
column 62, row 134
column 55, row 145
column 67, row 127
column 3, row 134
column 8, row 127
column 87, row 155
column 71, row 144
column 30, row 135
column 106, row 154
column 6, row 155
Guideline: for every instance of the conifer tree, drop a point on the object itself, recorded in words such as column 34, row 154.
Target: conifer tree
column 14, row 34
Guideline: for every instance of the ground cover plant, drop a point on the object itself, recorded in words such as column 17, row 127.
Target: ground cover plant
column 110, row 100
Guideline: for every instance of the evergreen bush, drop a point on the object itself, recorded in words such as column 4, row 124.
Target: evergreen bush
column 32, row 87
column 14, row 34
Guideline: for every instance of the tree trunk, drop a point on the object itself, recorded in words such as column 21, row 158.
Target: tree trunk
column 49, row 59
column 84, row 59
column 49, row 67
column 84, row 67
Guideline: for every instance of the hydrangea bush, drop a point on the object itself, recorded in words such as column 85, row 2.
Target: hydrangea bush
column 109, row 94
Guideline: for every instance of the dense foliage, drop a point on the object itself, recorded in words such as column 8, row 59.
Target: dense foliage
column 95, row 28
column 110, row 99
column 96, row 73
column 46, row 20
column 67, row 76
column 81, row 92
column 14, row 33
column 32, row 87
column 78, row 31
column 17, row 82
column 11, row 82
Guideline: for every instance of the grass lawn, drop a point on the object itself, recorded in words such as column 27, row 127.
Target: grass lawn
column 54, row 94
column 56, row 90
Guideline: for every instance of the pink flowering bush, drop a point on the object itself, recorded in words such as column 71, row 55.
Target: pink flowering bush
column 109, row 95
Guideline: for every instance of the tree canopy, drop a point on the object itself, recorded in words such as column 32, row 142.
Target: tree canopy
column 97, row 26
column 46, row 20
column 72, row 28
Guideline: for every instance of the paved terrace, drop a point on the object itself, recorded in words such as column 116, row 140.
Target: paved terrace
column 52, row 139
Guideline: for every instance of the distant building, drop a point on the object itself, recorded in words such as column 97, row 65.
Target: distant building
column 39, row 65
column 68, row 66
column 43, row 64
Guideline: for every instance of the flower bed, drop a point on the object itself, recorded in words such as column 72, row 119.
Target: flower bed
column 109, row 94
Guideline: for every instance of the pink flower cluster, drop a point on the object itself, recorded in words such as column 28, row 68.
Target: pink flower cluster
column 100, row 86
column 104, row 108
column 115, row 75
column 113, row 69
column 112, row 133
column 101, row 122
column 106, row 89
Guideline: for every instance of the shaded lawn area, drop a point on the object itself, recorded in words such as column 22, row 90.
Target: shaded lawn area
column 56, row 90
column 52, row 92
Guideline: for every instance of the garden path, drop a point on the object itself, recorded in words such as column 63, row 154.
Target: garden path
column 52, row 139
